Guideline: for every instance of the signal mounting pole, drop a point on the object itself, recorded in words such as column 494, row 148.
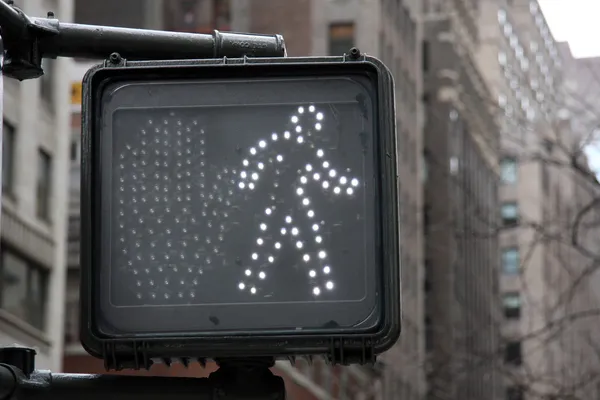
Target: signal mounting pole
column 25, row 41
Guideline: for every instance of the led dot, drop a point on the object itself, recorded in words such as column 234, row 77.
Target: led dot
column 322, row 254
column 318, row 239
column 279, row 158
column 316, row 291
column 295, row 231
column 312, row 273
column 299, row 244
column 303, row 179
column 320, row 153
column 253, row 290
column 325, row 184
column 301, row 110
column 343, row 180
column 318, row 126
column 251, row 185
column 305, row 201
column 252, row 150
column 325, row 164
column 261, row 165
column 271, row 259
column 310, row 213
column 283, row 231
column 263, row 226
column 268, row 211
column 332, row 173
column 259, row 241
column 316, row 176
column 274, row 136
column 245, row 163
column 243, row 174
column 294, row 119
column 354, row 182
column 311, row 108
column 306, row 258
column 329, row 285
column 262, row 275
column 242, row 286
column 242, row 185
column 299, row 139
column 277, row 245
column 336, row 190
column 326, row 269
column 349, row 191
column 255, row 176
column 299, row 191
column 315, row 227
column 262, row 144
column 286, row 135
column 248, row 272
column 288, row 219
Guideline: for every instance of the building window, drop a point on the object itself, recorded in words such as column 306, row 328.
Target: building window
column 44, row 185
column 514, row 393
column 23, row 288
column 74, row 150
column 72, row 321
column 511, row 303
column 512, row 353
column 425, row 55
column 47, row 81
column 428, row 334
column 508, row 170
column 8, row 157
column 341, row 38
column 510, row 214
column 510, row 261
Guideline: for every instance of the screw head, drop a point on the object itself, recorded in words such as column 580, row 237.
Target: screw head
column 50, row 14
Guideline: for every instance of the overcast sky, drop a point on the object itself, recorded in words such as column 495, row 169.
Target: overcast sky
column 575, row 21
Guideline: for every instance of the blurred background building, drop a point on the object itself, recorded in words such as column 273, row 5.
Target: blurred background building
column 35, row 153
column 461, row 192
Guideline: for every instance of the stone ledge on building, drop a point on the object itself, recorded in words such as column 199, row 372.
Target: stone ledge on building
column 26, row 237
column 25, row 334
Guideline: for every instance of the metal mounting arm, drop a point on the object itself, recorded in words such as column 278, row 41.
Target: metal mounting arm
column 234, row 380
column 27, row 40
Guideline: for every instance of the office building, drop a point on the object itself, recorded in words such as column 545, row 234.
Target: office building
column 34, row 197
column 461, row 190
column 540, row 194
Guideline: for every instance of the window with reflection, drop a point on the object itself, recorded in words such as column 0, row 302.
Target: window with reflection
column 508, row 170
column 510, row 261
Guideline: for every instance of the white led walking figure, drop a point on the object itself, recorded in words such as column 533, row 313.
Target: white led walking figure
column 317, row 172
column 165, row 200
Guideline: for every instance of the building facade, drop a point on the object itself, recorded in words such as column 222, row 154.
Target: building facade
column 540, row 195
column 35, row 153
column 389, row 30
column 461, row 198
